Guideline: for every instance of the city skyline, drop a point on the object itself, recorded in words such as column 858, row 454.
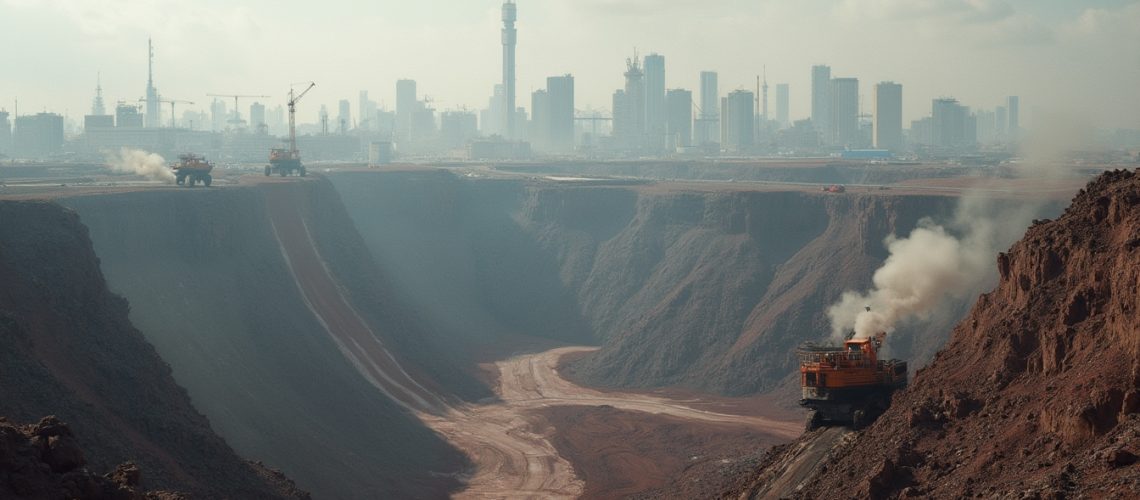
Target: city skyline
column 88, row 40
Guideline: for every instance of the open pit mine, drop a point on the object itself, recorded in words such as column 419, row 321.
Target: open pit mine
column 547, row 331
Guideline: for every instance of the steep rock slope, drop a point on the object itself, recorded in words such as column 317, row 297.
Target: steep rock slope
column 720, row 286
column 705, row 289
column 210, row 287
column 70, row 350
column 1037, row 395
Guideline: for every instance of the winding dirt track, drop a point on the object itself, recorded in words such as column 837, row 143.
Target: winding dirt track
column 512, row 459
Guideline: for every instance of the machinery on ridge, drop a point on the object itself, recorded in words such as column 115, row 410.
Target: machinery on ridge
column 848, row 384
column 192, row 169
column 287, row 161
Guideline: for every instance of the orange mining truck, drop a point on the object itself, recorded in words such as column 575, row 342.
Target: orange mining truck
column 848, row 385
column 192, row 169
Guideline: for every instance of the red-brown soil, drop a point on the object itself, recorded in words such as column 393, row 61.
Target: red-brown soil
column 1037, row 395
column 620, row 453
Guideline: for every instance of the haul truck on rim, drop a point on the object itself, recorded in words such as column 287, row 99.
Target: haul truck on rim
column 192, row 169
column 848, row 384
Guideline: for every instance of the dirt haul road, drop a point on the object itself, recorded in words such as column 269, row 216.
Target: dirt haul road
column 512, row 459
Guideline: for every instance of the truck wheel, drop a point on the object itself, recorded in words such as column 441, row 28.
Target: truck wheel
column 283, row 172
column 267, row 171
column 207, row 179
column 303, row 171
column 814, row 421
column 859, row 420
column 180, row 180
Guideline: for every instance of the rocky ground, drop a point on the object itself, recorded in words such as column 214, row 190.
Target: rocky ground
column 1037, row 395
column 44, row 461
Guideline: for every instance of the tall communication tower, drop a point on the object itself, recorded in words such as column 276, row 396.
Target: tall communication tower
column 510, row 37
column 153, row 108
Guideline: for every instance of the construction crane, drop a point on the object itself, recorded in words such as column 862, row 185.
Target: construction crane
column 286, row 162
column 171, row 102
column 237, row 113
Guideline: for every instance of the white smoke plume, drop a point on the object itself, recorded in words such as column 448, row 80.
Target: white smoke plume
column 922, row 271
column 139, row 162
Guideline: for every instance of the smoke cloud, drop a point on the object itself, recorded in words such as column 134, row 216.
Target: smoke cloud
column 957, row 259
column 139, row 162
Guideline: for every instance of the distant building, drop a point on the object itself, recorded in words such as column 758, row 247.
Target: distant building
column 986, row 131
column 707, row 130
column 782, row 105
column 951, row 125
column 561, row 127
column 406, row 105
column 217, row 116
column 655, row 113
column 679, row 122
column 629, row 118
column 539, row 119
column 38, row 136
column 922, row 132
column 457, row 128
column 98, row 121
column 344, row 116
column 821, row 99
column 257, row 118
column 844, row 122
column 1013, row 107
column 887, row 122
column 128, row 116
column 5, row 134
column 1001, row 122
column 738, row 121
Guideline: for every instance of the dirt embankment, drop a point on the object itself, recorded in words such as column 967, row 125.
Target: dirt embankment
column 708, row 289
column 210, row 286
column 1037, row 395
column 70, row 350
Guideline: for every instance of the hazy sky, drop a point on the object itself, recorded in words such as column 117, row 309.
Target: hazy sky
column 1074, row 56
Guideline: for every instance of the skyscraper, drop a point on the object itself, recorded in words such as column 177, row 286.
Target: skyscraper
column 153, row 109
column 510, row 36
column 738, row 120
column 38, row 135
column 951, row 124
column 257, row 118
column 821, row 100
column 343, row 116
column 561, row 127
column 708, row 121
column 1013, row 107
column 782, row 104
column 1001, row 122
column 844, row 112
column 405, row 107
column 888, row 116
column 655, row 101
column 539, row 119
column 631, row 135
column 679, row 122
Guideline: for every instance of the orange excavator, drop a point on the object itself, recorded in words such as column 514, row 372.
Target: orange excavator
column 848, row 385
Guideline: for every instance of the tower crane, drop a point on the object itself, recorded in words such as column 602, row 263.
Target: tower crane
column 171, row 102
column 293, row 99
column 237, row 111
column 285, row 162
